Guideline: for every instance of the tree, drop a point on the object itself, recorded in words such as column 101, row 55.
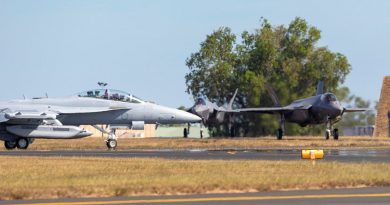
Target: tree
column 354, row 119
column 287, row 58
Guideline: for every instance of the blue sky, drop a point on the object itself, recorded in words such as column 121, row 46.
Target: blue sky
column 62, row 47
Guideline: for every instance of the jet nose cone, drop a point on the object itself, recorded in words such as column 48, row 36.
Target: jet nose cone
column 337, row 110
column 185, row 117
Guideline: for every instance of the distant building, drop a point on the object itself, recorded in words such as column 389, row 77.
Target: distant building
column 358, row 131
column 149, row 131
column 178, row 131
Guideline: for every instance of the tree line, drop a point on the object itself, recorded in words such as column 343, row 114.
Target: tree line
column 287, row 58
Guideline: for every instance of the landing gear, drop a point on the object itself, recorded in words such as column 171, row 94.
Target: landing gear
column 111, row 141
column 22, row 143
column 232, row 131
column 9, row 145
column 280, row 132
column 111, row 144
column 336, row 134
column 330, row 131
column 201, row 131
column 185, row 133
column 327, row 134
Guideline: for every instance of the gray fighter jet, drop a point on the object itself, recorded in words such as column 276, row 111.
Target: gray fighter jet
column 22, row 121
column 212, row 113
column 323, row 108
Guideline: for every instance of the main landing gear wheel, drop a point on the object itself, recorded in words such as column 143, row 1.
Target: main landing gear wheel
column 336, row 134
column 185, row 133
column 22, row 143
column 327, row 134
column 279, row 134
column 111, row 144
column 10, row 145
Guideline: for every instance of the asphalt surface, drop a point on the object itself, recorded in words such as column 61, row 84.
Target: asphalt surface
column 371, row 196
column 370, row 155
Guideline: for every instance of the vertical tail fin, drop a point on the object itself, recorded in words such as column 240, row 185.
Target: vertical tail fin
column 320, row 88
column 273, row 95
column 230, row 105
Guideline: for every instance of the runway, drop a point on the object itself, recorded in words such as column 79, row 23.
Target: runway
column 371, row 196
column 347, row 155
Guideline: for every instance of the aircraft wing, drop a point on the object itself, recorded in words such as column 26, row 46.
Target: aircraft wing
column 356, row 109
column 271, row 110
column 266, row 109
column 82, row 110
column 221, row 109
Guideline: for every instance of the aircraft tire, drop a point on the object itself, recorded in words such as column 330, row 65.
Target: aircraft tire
column 336, row 134
column 185, row 133
column 111, row 144
column 9, row 145
column 279, row 134
column 327, row 134
column 22, row 143
column 232, row 132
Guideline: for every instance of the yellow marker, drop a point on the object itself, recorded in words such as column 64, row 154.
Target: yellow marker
column 312, row 154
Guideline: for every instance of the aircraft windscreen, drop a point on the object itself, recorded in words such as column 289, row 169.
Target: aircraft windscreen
column 200, row 101
column 109, row 94
column 330, row 97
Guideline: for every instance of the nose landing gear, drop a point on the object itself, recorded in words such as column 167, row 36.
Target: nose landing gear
column 331, row 132
column 111, row 141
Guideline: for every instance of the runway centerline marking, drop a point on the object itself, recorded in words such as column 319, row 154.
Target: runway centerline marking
column 204, row 199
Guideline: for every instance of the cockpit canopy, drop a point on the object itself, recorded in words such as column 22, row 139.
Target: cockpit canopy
column 110, row 94
column 329, row 97
column 200, row 101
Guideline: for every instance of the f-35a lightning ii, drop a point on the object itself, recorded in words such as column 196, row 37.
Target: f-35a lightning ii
column 323, row 108
column 22, row 121
column 212, row 113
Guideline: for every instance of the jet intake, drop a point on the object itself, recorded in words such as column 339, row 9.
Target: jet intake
column 138, row 125
column 135, row 125
column 49, row 132
column 220, row 117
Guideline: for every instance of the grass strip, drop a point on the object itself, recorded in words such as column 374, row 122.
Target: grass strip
column 59, row 177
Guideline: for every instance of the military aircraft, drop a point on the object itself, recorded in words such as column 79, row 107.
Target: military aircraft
column 323, row 108
column 22, row 121
column 212, row 113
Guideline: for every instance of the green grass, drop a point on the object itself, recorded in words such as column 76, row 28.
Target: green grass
column 58, row 177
